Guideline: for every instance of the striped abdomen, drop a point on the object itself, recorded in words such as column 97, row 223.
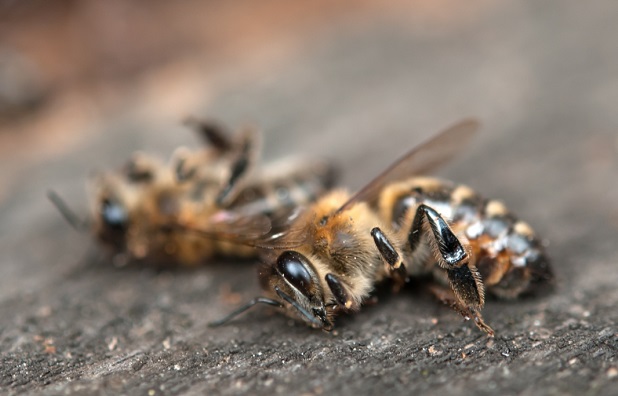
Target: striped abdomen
column 278, row 192
column 507, row 253
column 288, row 185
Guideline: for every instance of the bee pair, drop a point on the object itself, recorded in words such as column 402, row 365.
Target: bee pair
column 328, row 257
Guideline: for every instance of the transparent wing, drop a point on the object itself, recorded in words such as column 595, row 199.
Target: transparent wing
column 239, row 225
column 227, row 226
column 289, row 230
column 423, row 158
column 250, row 229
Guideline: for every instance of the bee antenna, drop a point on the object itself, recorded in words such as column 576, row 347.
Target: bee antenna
column 66, row 212
column 300, row 309
column 257, row 300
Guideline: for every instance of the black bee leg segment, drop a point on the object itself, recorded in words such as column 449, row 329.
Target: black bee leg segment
column 211, row 133
column 468, row 289
column 451, row 251
column 386, row 248
column 341, row 295
column 257, row 300
column 239, row 169
column 446, row 296
column 452, row 256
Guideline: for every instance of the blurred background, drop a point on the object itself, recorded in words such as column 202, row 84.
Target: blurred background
column 74, row 71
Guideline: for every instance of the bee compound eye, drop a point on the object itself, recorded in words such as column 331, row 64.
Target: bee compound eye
column 294, row 267
column 114, row 215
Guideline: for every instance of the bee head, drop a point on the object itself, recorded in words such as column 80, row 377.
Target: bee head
column 117, row 199
column 296, row 282
column 113, row 220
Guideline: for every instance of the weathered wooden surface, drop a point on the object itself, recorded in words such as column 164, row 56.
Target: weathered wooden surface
column 541, row 77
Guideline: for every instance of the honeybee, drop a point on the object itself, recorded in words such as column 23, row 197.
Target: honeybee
column 401, row 225
column 219, row 189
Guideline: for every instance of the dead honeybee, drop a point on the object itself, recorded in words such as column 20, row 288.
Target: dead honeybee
column 219, row 189
column 399, row 225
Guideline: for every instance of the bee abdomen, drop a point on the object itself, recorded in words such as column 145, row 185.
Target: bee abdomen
column 288, row 191
column 508, row 254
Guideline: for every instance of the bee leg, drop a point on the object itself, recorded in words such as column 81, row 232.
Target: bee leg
column 140, row 168
column 183, row 169
column 211, row 132
column 339, row 291
column 447, row 297
column 451, row 255
column 386, row 248
column 392, row 258
column 240, row 167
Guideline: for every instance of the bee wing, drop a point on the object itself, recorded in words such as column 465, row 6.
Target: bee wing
column 250, row 229
column 228, row 226
column 239, row 225
column 423, row 158
column 286, row 232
